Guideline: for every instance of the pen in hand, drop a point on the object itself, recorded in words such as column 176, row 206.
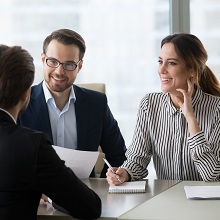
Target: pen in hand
column 110, row 167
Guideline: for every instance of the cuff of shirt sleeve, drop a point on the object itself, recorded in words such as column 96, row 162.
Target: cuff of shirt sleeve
column 129, row 173
column 198, row 145
column 49, row 200
column 196, row 140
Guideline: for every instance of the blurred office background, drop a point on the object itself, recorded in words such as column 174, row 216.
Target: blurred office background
column 122, row 37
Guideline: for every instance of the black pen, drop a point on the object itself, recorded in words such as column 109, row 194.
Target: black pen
column 111, row 168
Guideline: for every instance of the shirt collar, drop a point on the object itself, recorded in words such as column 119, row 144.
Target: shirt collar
column 8, row 114
column 48, row 95
column 172, row 109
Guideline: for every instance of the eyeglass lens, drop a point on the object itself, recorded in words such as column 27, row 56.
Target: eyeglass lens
column 55, row 63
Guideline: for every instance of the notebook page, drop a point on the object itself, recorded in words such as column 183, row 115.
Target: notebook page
column 129, row 187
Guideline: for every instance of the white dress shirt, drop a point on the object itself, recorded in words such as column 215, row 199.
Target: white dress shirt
column 63, row 123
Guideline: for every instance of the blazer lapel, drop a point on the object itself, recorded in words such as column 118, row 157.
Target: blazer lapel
column 39, row 108
column 82, row 116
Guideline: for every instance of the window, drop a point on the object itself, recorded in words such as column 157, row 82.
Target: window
column 122, row 37
column 204, row 23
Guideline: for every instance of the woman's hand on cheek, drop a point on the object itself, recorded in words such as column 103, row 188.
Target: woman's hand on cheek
column 186, row 103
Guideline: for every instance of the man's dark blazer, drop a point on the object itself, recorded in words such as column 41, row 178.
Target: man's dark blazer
column 29, row 166
column 95, row 123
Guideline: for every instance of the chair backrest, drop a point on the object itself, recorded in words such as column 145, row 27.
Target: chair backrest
column 100, row 87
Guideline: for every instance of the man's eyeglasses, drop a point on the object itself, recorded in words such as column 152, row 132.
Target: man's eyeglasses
column 69, row 66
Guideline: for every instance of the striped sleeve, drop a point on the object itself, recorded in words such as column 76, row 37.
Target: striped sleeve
column 138, row 154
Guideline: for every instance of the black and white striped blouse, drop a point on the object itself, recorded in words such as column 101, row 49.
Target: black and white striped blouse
column 161, row 132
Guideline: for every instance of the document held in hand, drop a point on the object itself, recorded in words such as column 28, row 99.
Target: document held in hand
column 81, row 162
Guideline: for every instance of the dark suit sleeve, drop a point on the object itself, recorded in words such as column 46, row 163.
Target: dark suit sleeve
column 112, row 142
column 59, row 183
column 96, row 127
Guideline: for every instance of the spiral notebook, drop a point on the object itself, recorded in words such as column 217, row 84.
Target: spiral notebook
column 129, row 187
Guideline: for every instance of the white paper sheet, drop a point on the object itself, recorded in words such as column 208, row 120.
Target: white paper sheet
column 202, row 192
column 81, row 162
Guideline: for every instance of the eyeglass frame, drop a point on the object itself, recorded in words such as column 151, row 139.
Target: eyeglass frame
column 62, row 63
